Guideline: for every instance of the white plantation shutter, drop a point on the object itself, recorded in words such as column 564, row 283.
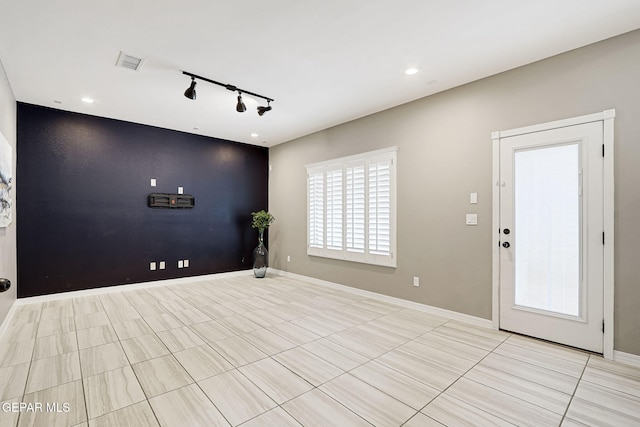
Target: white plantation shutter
column 355, row 208
column 315, row 193
column 351, row 208
column 334, row 209
column 379, row 208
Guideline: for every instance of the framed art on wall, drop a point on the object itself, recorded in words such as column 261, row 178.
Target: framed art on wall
column 5, row 182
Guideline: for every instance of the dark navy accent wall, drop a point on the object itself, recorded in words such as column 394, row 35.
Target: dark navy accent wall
column 83, row 220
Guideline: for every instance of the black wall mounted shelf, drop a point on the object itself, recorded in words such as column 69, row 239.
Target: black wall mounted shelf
column 172, row 201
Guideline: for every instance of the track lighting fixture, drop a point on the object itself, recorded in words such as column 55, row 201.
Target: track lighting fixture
column 262, row 109
column 191, row 91
column 240, row 107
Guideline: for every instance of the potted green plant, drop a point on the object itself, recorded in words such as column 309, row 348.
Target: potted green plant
column 261, row 220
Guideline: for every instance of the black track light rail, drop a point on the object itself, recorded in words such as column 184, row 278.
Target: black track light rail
column 227, row 86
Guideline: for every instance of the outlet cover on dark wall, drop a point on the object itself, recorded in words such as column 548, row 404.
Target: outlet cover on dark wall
column 82, row 202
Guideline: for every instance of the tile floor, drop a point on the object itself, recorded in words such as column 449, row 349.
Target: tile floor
column 279, row 352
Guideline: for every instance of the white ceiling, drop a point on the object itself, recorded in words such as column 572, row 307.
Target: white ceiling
column 325, row 62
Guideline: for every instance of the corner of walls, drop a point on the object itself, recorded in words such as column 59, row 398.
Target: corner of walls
column 8, row 249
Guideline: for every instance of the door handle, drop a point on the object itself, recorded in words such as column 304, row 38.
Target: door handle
column 506, row 245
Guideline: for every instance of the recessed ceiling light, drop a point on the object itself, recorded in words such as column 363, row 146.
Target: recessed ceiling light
column 87, row 100
column 254, row 135
column 410, row 71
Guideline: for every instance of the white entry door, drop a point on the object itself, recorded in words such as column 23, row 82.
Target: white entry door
column 551, row 235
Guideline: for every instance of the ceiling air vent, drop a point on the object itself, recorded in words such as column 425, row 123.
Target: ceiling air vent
column 128, row 61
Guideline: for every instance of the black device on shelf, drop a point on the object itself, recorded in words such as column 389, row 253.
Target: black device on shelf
column 172, row 201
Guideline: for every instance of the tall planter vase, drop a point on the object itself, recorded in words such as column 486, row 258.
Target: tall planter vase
column 260, row 258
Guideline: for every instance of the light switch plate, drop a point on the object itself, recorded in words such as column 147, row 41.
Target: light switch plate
column 473, row 198
column 153, row 182
column 472, row 219
column 186, row 263
column 180, row 264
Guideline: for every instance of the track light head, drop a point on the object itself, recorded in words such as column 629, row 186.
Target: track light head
column 191, row 91
column 240, row 107
column 263, row 109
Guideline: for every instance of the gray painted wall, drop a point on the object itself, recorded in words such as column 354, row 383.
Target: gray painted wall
column 445, row 153
column 8, row 235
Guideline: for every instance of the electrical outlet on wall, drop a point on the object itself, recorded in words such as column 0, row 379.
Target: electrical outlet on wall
column 288, row 258
column 185, row 263
column 416, row 281
column 472, row 219
column 180, row 264
column 162, row 265
column 152, row 265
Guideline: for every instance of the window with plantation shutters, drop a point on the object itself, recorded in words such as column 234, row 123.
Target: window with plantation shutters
column 351, row 208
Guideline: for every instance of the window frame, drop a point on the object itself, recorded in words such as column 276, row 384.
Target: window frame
column 320, row 249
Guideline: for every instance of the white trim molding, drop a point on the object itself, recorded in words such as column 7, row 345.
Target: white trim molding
column 608, row 215
column 626, row 358
column 128, row 287
column 589, row 118
column 495, row 241
column 111, row 289
column 607, row 117
column 436, row 311
column 7, row 320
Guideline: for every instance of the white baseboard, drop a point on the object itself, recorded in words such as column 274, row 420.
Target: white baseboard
column 7, row 319
column 626, row 358
column 128, row 287
column 111, row 289
column 618, row 356
column 461, row 317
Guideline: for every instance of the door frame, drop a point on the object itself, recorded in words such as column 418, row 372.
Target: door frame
column 607, row 117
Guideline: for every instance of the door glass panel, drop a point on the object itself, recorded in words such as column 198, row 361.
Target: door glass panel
column 547, row 228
